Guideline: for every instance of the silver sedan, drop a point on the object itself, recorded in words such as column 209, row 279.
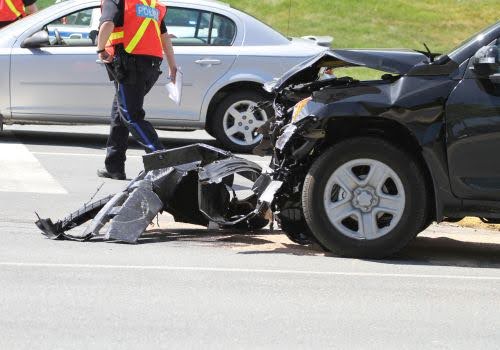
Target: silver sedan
column 49, row 74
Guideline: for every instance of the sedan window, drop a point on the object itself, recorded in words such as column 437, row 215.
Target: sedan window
column 223, row 31
column 76, row 29
column 189, row 27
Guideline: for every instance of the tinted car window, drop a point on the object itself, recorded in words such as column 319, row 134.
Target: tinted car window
column 184, row 25
column 223, row 31
column 74, row 29
column 203, row 32
column 191, row 27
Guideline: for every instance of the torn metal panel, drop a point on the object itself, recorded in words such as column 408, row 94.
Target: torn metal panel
column 178, row 192
column 213, row 201
column 387, row 60
column 103, row 216
column 77, row 218
column 261, row 184
column 218, row 200
column 268, row 195
column 135, row 215
column 130, row 212
column 216, row 171
column 183, row 155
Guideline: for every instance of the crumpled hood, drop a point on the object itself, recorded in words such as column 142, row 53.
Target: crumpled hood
column 388, row 60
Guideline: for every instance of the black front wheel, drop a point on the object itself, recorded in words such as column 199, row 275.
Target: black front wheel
column 365, row 198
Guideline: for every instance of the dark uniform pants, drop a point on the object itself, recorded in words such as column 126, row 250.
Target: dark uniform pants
column 138, row 76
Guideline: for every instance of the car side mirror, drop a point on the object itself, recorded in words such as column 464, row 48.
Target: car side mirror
column 93, row 36
column 495, row 78
column 38, row 39
column 486, row 61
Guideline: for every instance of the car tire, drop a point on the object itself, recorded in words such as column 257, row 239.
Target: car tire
column 234, row 125
column 296, row 230
column 376, row 195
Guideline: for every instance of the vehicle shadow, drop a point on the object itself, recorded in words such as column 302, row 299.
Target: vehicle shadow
column 255, row 242
column 438, row 251
column 86, row 140
column 445, row 251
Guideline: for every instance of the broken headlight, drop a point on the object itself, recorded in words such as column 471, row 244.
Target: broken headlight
column 286, row 135
column 300, row 111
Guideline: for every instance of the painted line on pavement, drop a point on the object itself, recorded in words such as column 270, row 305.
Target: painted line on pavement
column 78, row 154
column 239, row 270
column 262, row 162
column 22, row 172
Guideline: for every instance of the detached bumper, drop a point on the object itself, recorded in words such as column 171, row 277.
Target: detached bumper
column 194, row 183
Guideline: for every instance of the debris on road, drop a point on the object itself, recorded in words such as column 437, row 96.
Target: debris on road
column 192, row 183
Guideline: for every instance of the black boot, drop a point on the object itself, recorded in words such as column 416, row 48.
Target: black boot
column 110, row 175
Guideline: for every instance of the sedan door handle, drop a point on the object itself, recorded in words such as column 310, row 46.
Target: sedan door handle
column 208, row 62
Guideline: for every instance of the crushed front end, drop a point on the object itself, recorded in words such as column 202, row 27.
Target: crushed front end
column 294, row 138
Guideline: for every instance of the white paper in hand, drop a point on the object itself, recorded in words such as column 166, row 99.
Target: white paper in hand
column 175, row 90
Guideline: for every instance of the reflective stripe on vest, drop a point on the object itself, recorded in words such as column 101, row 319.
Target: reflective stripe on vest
column 10, row 10
column 140, row 34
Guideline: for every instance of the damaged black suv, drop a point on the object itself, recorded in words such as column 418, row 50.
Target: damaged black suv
column 375, row 162
column 360, row 167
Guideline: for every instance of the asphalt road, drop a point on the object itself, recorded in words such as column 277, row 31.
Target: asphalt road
column 187, row 287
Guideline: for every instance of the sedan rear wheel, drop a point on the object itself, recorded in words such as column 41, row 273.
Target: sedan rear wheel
column 237, row 119
column 365, row 198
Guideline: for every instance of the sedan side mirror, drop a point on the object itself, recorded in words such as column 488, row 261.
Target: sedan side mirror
column 486, row 61
column 38, row 39
column 93, row 36
column 495, row 78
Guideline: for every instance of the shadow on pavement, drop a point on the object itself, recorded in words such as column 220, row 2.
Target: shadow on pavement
column 203, row 236
column 87, row 140
column 444, row 251
column 441, row 251
column 256, row 242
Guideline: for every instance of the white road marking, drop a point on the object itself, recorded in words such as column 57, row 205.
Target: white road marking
column 20, row 171
column 103, row 154
column 240, row 270
column 261, row 161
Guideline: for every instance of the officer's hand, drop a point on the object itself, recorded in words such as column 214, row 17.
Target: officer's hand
column 105, row 57
column 173, row 74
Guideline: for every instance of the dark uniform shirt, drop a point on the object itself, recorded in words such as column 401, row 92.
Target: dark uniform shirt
column 112, row 10
column 26, row 3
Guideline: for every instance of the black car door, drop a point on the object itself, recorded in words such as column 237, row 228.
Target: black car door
column 473, row 136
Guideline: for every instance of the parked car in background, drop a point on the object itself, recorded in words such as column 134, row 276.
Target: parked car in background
column 49, row 74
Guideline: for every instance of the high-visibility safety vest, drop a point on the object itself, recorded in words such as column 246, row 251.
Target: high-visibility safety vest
column 140, row 34
column 10, row 10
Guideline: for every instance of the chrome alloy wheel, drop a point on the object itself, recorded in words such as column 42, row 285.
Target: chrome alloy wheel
column 364, row 199
column 241, row 122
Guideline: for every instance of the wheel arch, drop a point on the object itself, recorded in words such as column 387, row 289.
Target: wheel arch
column 338, row 129
column 219, row 95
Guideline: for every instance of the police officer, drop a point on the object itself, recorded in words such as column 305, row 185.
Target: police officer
column 12, row 10
column 132, row 40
